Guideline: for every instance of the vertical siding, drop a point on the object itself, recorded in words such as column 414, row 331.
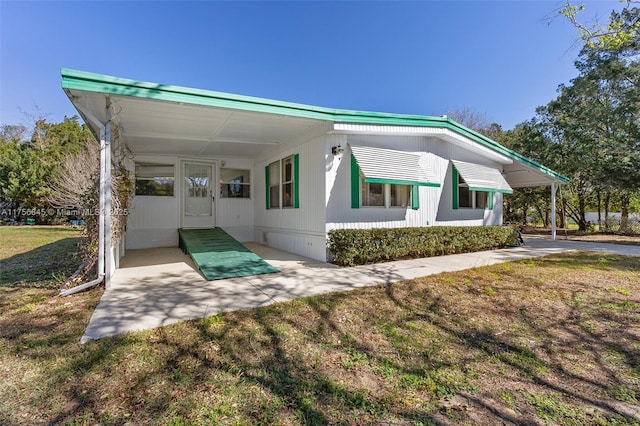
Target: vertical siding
column 235, row 215
column 446, row 215
column 325, row 197
column 339, row 211
column 154, row 221
column 436, row 204
column 296, row 230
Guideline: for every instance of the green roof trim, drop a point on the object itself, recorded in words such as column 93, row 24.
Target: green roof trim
column 99, row 83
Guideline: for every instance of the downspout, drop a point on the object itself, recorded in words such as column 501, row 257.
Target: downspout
column 104, row 215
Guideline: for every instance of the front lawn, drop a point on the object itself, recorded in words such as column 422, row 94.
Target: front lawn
column 38, row 256
column 553, row 340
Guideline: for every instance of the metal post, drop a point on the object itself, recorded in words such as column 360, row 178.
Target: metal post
column 108, row 255
column 554, row 188
column 101, row 204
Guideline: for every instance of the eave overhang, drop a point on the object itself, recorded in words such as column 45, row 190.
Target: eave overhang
column 268, row 114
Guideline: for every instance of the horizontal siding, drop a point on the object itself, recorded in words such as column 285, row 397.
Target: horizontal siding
column 479, row 176
column 391, row 164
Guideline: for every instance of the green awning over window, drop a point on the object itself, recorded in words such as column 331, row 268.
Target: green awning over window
column 482, row 178
column 379, row 165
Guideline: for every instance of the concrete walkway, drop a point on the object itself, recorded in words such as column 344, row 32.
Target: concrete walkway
column 157, row 287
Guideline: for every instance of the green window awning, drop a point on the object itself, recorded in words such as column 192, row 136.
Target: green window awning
column 482, row 178
column 379, row 165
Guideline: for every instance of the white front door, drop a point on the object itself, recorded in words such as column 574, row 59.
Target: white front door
column 198, row 195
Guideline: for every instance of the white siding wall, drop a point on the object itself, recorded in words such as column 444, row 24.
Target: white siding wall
column 235, row 215
column 325, row 196
column 154, row 221
column 446, row 215
column 436, row 204
column 300, row 230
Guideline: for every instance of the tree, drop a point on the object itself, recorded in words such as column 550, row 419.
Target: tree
column 26, row 165
column 596, row 123
column 621, row 33
column 21, row 175
column 12, row 133
column 475, row 121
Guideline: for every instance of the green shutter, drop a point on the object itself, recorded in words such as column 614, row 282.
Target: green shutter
column 355, row 183
column 296, row 181
column 415, row 197
column 267, row 177
column 490, row 200
column 454, row 185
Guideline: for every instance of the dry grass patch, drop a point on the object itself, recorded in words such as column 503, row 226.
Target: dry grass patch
column 545, row 341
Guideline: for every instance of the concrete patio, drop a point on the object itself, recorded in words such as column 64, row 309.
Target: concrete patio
column 157, row 287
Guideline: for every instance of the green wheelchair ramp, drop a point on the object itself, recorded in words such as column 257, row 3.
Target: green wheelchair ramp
column 218, row 255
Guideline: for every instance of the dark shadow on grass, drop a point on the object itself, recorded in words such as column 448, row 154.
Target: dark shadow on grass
column 37, row 268
column 530, row 366
column 258, row 353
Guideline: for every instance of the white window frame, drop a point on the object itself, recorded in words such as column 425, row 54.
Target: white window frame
column 386, row 194
column 474, row 196
column 243, row 184
column 152, row 164
column 287, row 190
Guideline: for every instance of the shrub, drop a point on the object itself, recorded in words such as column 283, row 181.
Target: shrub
column 361, row 246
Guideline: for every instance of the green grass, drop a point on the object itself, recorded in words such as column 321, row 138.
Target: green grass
column 544, row 342
column 37, row 256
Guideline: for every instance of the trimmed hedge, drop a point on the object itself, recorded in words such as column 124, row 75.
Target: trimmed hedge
column 351, row 247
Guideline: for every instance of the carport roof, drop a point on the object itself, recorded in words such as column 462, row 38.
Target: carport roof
column 162, row 119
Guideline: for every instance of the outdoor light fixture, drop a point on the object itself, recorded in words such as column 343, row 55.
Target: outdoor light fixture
column 337, row 150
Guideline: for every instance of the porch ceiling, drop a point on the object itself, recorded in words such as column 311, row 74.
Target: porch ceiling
column 519, row 175
column 149, row 126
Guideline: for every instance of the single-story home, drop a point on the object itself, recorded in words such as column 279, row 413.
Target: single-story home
column 284, row 174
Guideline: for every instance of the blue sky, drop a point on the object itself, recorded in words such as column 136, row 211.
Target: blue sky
column 501, row 59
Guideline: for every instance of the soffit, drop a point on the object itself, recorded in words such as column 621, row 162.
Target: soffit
column 149, row 126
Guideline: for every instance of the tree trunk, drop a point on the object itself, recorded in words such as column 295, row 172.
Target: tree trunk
column 607, row 202
column 544, row 216
column 599, row 211
column 563, row 213
column 582, row 222
column 624, row 217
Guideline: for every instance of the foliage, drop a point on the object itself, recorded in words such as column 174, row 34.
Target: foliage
column 361, row 246
column 475, row 121
column 595, row 123
column 620, row 33
column 591, row 131
column 22, row 174
column 27, row 165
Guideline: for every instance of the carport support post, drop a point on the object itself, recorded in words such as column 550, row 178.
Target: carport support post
column 554, row 188
column 108, row 255
column 101, row 202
